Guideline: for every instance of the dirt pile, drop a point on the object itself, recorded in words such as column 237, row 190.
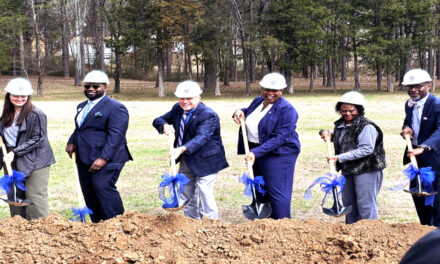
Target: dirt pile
column 171, row 238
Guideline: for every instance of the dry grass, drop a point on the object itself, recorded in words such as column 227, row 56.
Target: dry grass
column 140, row 178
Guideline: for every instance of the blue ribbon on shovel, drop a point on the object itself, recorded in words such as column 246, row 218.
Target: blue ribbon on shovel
column 326, row 182
column 258, row 182
column 79, row 214
column 170, row 182
column 17, row 178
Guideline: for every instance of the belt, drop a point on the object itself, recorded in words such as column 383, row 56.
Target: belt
column 253, row 145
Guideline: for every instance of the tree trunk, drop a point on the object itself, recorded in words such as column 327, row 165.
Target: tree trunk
column 312, row 69
column 64, row 40
column 197, row 66
column 168, row 61
column 431, row 62
column 83, row 58
column 437, row 64
column 289, row 79
column 329, row 72
column 160, row 72
column 390, row 87
column 188, row 63
column 210, row 80
column 357, row 86
column 22, row 54
column 343, row 68
column 324, row 72
column 379, row 77
column 217, row 86
column 117, row 72
column 333, row 76
column 14, row 60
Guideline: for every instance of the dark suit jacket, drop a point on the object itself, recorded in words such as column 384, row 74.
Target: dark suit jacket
column 276, row 130
column 102, row 134
column 429, row 133
column 205, row 153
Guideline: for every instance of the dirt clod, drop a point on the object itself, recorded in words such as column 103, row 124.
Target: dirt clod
column 172, row 238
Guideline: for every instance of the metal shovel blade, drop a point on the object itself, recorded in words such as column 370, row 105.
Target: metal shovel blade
column 337, row 209
column 18, row 203
column 418, row 189
column 174, row 209
column 257, row 209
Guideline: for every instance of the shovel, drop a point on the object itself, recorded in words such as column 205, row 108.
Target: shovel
column 337, row 209
column 80, row 212
column 172, row 181
column 12, row 177
column 419, row 189
column 257, row 209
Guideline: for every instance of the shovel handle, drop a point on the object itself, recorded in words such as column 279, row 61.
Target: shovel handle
column 172, row 160
column 330, row 153
column 7, row 164
column 246, row 146
column 81, row 203
column 410, row 147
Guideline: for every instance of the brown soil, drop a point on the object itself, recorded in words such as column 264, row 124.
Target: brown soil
column 172, row 238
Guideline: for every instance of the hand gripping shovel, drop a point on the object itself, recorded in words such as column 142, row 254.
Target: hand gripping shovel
column 175, row 184
column 329, row 183
column 423, row 177
column 16, row 178
column 257, row 209
column 80, row 212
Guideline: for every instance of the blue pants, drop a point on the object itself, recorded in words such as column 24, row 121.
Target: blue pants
column 277, row 171
column 100, row 192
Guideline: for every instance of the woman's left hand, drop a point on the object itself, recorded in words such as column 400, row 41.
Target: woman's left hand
column 8, row 158
column 332, row 159
column 250, row 157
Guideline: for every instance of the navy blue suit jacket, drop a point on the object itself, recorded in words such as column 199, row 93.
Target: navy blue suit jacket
column 205, row 153
column 102, row 134
column 276, row 130
column 429, row 133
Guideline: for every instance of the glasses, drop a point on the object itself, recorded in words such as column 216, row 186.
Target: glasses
column 271, row 90
column 418, row 86
column 95, row 86
column 347, row 111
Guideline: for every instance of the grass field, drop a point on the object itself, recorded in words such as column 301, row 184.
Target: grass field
column 140, row 178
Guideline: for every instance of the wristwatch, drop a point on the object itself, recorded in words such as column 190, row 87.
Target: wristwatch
column 424, row 147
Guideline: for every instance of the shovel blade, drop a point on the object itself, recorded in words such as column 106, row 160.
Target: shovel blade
column 18, row 203
column 333, row 212
column 257, row 210
column 175, row 209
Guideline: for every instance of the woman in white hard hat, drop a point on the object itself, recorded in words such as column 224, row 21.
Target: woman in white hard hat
column 23, row 128
column 359, row 153
column 274, row 143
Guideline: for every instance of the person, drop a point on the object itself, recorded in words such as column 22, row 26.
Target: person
column 198, row 148
column 23, row 128
column 101, row 147
column 273, row 142
column 360, row 155
column 422, row 124
column 425, row 251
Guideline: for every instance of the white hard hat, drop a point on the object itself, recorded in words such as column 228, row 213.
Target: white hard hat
column 352, row 97
column 96, row 76
column 19, row 86
column 416, row 76
column 273, row 80
column 188, row 89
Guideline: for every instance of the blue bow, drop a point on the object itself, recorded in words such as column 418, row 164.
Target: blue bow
column 80, row 213
column 17, row 177
column 427, row 177
column 255, row 183
column 326, row 183
column 172, row 183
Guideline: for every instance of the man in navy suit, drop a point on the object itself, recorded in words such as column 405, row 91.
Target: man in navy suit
column 198, row 147
column 422, row 124
column 101, row 147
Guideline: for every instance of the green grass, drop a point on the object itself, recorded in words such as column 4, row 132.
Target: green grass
column 140, row 178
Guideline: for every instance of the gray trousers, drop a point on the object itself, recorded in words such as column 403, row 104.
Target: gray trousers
column 201, row 192
column 36, row 191
column 360, row 191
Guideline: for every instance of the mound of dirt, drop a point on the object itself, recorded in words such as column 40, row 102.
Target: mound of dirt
column 172, row 238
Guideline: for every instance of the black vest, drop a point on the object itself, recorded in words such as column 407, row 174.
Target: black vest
column 373, row 162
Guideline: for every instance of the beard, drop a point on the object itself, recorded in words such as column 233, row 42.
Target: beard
column 96, row 95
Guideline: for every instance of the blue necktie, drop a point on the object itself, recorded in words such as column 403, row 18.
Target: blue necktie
column 415, row 123
column 86, row 111
column 181, row 129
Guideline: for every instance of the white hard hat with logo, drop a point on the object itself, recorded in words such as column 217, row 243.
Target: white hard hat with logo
column 19, row 86
column 416, row 76
column 96, row 76
column 273, row 80
column 352, row 97
column 188, row 89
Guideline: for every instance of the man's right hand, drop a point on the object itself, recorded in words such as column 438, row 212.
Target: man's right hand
column 70, row 148
column 407, row 131
column 168, row 129
column 326, row 134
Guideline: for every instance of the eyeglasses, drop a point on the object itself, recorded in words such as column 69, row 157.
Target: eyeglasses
column 345, row 111
column 271, row 90
column 417, row 86
column 95, row 86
